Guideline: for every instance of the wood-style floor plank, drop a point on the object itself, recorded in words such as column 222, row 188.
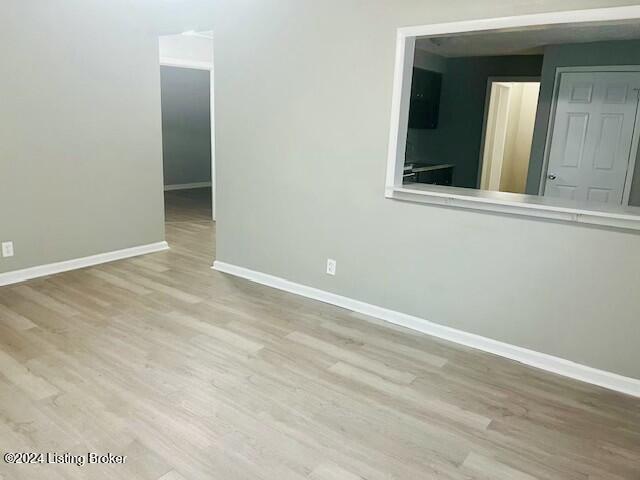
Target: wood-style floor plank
column 193, row 374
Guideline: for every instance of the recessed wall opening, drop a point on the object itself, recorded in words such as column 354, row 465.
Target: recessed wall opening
column 472, row 115
column 187, row 94
column 544, row 111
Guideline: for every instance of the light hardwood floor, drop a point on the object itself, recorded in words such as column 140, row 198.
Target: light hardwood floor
column 196, row 375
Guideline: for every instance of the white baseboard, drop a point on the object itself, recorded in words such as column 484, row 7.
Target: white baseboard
column 18, row 276
column 560, row 366
column 186, row 186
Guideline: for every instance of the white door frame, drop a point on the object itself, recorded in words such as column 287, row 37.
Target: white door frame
column 490, row 169
column 193, row 64
column 633, row 154
column 487, row 102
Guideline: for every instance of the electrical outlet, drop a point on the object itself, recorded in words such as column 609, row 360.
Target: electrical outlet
column 331, row 267
column 7, row 249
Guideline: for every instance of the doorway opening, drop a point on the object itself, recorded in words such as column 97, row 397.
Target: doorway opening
column 510, row 115
column 187, row 94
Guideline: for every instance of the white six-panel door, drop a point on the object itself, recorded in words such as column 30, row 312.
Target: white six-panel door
column 592, row 136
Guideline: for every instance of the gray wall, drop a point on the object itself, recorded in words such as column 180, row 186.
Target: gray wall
column 312, row 82
column 579, row 54
column 458, row 138
column 186, row 125
column 80, row 137
column 429, row 61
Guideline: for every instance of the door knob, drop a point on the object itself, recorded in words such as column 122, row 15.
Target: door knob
column 551, row 176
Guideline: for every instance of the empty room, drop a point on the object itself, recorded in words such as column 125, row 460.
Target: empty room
column 320, row 240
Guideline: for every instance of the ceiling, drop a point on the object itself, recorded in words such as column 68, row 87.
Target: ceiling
column 526, row 42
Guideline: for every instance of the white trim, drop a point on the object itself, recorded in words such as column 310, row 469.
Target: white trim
column 405, row 52
column 633, row 157
column 543, row 361
column 487, row 104
column 519, row 204
column 212, row 111
column 532, row 20
column 405, row 49
column 18, row 276
column 186, row 186
column 182, row 63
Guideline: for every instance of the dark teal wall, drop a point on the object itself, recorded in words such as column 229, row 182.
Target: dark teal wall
column 458, row 136
column 577, row 54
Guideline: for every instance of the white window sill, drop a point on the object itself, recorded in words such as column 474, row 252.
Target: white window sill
column 517, row 204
